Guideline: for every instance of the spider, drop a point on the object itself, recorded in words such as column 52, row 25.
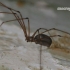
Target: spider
column 37, row 37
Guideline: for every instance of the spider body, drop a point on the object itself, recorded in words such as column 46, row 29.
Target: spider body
column 43, row 39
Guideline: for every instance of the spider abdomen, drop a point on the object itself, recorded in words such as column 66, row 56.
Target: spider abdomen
column 43, row 39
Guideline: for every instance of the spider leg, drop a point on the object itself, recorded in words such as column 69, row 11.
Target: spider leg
column 19, row 14
column 28, row 26
column 38, row 31
column 11, row 20
column 13, row 10
column 10, row 13
column 15, row 20
column 59, row 30
column 41, row 57
column 56, row 36
column 47, row 30
column 18, row 19
column 40, row 53
column 7, row 12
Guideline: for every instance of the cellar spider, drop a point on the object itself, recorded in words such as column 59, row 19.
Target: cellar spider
column 37, row 37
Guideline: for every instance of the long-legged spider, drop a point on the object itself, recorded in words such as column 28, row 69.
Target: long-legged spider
column 39, row 38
